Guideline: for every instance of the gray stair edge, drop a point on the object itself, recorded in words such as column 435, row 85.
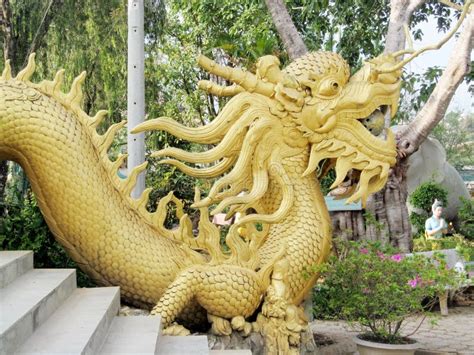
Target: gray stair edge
column 95, row 335
column 16, row 267
column 134, row 328
column 25, row 326
column 170, row 345
column 230, row 352
column 97, row 339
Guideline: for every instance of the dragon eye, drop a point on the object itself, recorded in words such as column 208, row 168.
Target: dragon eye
column 329, row 88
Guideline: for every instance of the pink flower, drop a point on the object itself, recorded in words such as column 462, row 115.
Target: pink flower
column 364, row 250
column 413, row 283
column 397, row 257
column 381, row 255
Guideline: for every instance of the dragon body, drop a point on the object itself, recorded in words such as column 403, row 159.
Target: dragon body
column 270, row 140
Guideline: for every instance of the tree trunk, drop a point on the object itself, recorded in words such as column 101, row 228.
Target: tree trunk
column 8, row 48
column 400, row 15
column 289, row 35
column 3, row 182
column 385, row 218
column 6, row 28
column 386, row 213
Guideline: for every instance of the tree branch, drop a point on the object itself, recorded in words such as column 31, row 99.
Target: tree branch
column 289, row 35
column 436, row 106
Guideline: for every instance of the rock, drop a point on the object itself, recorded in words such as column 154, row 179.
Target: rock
column 236, row 341
column 429, row 164
column 130, row 311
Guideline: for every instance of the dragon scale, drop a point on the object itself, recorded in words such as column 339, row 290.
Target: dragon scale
column 307, row 229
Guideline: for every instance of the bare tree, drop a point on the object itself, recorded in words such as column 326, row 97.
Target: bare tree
column 386, row 210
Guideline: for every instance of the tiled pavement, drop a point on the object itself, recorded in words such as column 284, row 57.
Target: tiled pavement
column 453, row 334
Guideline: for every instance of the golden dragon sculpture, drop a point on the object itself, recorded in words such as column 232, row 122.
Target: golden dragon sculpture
column 277, row 131
column 271, row 137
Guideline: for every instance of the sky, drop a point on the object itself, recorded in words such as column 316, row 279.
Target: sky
column 462, row 100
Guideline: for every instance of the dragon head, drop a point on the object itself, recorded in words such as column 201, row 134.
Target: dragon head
column 313, row 104
column 344, row 117
column 339, row 117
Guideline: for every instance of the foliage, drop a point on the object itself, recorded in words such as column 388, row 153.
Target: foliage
column 416, row 90
column 242, row 30
column 422, row 199
column 466, row 218
column 456, row 134
column 463, row 245
column 23, row 228
column 377, row 291
column 327, row 180
column 425, row 194
column 418, row 221
column 371, row 220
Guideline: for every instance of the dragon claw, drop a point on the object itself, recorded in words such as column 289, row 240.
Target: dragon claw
column 220, row 326
column 176, row 329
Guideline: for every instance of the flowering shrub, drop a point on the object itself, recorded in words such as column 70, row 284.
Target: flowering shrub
column 378, row 291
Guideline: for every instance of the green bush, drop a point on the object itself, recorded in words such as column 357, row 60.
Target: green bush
column 23, row 228
column 377, row 291
column 327, row 180
column 466, row 218
column 425, row 194
column 418, row 221
column 423, row 198
column 323, row 306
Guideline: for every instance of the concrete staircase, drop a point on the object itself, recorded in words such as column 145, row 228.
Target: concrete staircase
column 43, row 312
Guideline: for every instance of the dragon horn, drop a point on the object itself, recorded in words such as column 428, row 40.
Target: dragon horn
column 28, row 71
column 438, row 45
column 243, row 78
column 219, row 90
column 7, row 71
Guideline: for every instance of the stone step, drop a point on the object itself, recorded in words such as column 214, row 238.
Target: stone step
column 79, row 326
column 230, row 352
column 13, row 264
column 28, row 301
column 133, row 335
column 183, row 345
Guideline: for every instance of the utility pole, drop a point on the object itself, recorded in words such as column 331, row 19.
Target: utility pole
column 136, row 90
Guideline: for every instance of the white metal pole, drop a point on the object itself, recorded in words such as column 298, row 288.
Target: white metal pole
column 136, row 89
